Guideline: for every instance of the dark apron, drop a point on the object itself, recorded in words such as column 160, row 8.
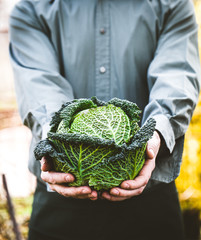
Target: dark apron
column 153, row 215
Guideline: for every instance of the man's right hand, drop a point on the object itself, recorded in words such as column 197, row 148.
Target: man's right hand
column 58, row 181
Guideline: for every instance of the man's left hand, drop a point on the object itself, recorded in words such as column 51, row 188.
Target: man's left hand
column 130, row 188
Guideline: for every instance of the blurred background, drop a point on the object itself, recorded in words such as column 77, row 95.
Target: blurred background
column 14, row 150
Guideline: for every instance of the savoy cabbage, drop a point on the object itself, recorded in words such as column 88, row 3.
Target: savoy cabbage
column 100, row 143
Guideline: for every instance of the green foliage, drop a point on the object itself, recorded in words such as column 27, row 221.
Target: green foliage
column 108, row 122
column 100, row 143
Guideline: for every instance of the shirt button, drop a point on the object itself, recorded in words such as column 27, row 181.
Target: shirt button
column 102, row 70
column 102, row 31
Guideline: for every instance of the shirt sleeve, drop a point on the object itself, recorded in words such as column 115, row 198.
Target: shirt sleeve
column 173, row 76
column 40, row 88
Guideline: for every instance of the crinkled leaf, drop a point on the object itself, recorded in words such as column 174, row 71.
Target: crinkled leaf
column 108, row 122
column 115, row 171
column 100, row 143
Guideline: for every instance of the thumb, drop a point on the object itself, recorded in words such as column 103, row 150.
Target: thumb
column 153, row 146
column 45, row 164
column 150, row 153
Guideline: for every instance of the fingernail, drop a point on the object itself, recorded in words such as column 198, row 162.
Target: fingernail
column 151, row 151
column 68, row 178
column 116, row 192
column 126, row 185
column 84, row 191
column 93, row 195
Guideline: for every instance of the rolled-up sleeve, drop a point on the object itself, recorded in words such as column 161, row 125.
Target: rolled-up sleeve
column 173, row 76
column 40, row 88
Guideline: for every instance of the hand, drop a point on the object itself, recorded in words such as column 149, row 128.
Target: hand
column 130, row 188
column 57, row 181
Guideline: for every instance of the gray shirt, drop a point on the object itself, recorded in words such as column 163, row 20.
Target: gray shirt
column 144, row 51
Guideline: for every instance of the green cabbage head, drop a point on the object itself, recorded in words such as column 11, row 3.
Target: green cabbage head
column 100, row 143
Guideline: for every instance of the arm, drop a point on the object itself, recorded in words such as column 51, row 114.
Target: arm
column 174, row 89
column 40, row 88
column 173, row 75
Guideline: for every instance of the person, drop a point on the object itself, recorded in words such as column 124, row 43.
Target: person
column 143, row 51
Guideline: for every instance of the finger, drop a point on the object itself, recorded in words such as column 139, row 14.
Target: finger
column 153, row 146
column 57, row 177
column 46, row 165
column 126, row 193
column 138, row 182
column 150, row 152
column 92, row 196
column 147, row 170
column 110, row 197
column 142, row 179
column 71, row 191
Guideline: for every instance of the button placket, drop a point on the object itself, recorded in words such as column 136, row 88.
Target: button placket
column 102, row 76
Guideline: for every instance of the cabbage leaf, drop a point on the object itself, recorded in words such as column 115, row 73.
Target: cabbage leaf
column 100, row 143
